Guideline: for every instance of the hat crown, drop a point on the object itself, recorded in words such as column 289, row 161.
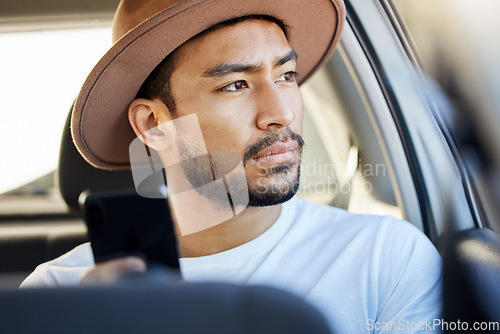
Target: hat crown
column 131, row 13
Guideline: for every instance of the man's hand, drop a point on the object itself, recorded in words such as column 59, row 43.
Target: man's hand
column 107, row 273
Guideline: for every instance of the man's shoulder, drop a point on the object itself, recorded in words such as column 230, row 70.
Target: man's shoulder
column 335, row 231
column 329, row 217
column 384, row 262
column 313, row 219
column 65, row 270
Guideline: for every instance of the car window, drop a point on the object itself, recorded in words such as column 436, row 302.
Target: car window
column 42, row 72
column 337, row 168
column 455, row 45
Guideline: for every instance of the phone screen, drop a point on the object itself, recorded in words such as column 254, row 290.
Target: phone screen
column 124, row 224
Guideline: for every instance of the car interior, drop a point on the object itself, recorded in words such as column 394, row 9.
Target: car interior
column 375, row 144
column 331, row 174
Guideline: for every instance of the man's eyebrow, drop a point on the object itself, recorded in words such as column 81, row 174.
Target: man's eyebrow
column 292, row 55
column 228, row 68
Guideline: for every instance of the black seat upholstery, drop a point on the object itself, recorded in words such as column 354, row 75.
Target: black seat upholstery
column 74, row 174
column 158, row 308
column 472, row 277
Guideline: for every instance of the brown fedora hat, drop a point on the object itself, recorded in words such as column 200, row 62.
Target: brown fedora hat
column 146, row 31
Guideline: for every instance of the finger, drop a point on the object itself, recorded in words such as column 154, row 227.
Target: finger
column 107, row 273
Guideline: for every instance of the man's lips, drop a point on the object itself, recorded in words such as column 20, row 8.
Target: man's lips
column 279, row 152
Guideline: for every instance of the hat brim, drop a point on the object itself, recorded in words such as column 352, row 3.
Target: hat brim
column 100, row 127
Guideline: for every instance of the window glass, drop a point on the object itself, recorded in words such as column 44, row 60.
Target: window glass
column 42, row 72
column 332, row 170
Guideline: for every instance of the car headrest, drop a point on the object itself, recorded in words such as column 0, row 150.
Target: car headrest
column 74, row 174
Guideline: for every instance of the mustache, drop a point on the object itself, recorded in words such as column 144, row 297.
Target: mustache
column 272, row 137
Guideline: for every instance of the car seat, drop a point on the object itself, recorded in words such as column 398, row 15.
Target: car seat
column 75, row 175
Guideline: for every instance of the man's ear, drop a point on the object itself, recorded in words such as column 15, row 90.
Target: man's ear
column 144, row 116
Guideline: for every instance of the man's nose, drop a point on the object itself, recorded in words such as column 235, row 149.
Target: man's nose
column 274, row 110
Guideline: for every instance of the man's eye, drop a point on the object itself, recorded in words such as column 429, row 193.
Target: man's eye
column 288, row 76
column 235, row 86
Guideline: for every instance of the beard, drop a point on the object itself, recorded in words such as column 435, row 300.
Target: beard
column 276, row 184
column 281, row 189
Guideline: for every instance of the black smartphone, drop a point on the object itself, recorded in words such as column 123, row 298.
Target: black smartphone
column 124, row 224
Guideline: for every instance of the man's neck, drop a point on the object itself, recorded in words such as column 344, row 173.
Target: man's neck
column 246, row 226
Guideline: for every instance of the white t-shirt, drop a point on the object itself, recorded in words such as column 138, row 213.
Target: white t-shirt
column 365, row 273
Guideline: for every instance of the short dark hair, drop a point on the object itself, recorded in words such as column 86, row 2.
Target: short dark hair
column 157, row 84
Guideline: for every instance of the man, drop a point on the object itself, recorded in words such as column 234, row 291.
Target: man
column 239, row 75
